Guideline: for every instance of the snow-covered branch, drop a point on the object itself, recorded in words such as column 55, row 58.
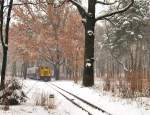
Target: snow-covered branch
column 106, row 3
column 81, row 9
column 116, row 12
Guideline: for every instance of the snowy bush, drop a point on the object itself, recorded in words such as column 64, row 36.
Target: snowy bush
column 12, row 94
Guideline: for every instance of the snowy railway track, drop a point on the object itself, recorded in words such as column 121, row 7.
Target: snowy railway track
column 90, row 108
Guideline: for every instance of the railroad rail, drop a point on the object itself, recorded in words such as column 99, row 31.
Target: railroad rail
column 88, row 107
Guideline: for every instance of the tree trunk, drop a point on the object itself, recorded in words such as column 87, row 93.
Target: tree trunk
column 56, row 71
column 3, row 71
column 14, row 69
column 88, row 75
column 24, row 69
column 5, row 41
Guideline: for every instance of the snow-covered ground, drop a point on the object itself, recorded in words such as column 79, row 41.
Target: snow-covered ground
column 113, row 105
column 35, row 88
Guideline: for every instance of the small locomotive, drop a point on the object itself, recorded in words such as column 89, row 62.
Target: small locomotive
column 40, row 73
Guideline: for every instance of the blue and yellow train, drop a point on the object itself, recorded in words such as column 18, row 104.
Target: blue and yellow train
column 40, row 73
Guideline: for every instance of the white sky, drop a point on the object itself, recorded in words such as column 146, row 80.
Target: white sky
column 99, row 8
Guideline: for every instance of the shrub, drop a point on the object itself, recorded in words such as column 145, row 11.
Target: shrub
column 12, row 94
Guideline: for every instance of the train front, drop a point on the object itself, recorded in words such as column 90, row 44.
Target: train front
column 45, row 73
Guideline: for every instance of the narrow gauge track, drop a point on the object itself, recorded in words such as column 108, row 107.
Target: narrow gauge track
column 83, row 103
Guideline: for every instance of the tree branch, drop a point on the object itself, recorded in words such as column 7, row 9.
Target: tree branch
column 106, row 3
column 81, row 10
column 107, row 19
column 115, row 12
